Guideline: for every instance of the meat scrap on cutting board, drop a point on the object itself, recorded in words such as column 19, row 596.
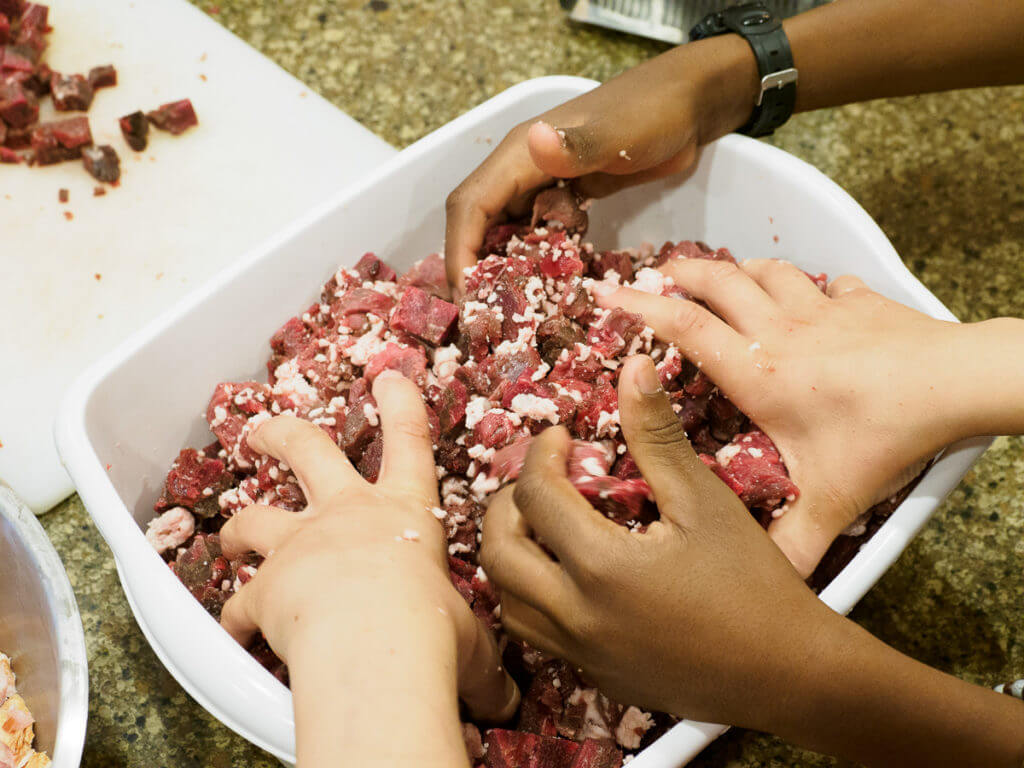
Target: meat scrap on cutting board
column 527, row 347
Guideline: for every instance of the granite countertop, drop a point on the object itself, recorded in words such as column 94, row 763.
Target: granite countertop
column 943, row 176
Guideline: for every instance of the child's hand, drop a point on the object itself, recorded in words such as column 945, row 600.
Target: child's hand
column 702, row 616
column 688, row 617
column 644, row 124
column 857, row 391
column 354, row 594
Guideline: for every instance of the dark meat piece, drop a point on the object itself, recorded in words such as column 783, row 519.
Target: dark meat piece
column 619, row 261
column 515, row 749
column 10, row 8
column 555, row 334
column 17, row 58
column 102, row 162
column 135, row 128
column 9, row 156
column 99, row 191
column 5, row 29
column 104, row 76
column 63, row 195
column 597, row 753
column 19, row 107
column 449, row 402
column 175, row 117
column 61, row 140
column 194, row 482
column 559, row 207
column 70, row 92
column 429, row 275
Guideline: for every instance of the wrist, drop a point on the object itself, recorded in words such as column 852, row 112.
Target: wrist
column 722, row 74
column 988, row 380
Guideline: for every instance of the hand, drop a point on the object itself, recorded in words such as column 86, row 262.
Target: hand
column 644, row 124
column 855, row 390
column 354, row 594
column 702, row 616
column 686, row 617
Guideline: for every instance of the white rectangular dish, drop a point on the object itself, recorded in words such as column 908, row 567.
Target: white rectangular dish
column 124, row 420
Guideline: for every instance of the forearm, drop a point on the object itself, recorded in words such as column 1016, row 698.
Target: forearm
column 374, row 674
column 856, row 50
column 864, row 701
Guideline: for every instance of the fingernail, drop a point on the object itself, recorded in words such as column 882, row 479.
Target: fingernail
column 647, row 380
column 388, row 374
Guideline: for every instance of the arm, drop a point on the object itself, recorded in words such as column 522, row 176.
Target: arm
column 650, row 121
column 702, row 617
column 354, row 595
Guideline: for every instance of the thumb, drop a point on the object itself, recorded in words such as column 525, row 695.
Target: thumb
column 485, row 685
column 657, row 441
column 567, row 152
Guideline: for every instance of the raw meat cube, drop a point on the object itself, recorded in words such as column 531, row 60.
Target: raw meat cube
column 615, row 332
column 361, row 424
column 479, row 329
column 370, row 268
column 104, row 76
column 18, row 106
column 449, row 402
column 496, row 239
column 102, row 163
column 17, row 59
column 494, row 430
column 751, row 465
column 515, row 749
column 9, row 156
column 424, row 316
column 175, row 117
column 597, row 753
column 291, row 338
column 559, row 207
column 135, row 128
column 362, row 301
column 619, row 261
column 228, row 414
column 429, row 275
column 70, row 92
column 194, row 482
column 35, row 16
column 411, row 362
column 62, row 140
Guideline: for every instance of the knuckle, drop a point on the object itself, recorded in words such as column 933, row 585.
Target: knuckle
column 663, row 429
column 688, row 318
column 527, row 491
column 722, row 273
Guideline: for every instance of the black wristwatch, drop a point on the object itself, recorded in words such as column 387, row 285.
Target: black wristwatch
column 755, row 24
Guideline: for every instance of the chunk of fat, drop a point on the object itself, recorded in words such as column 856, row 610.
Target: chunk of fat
column 446, row 362
column 475, row 410
column 534, row 407
column 727, row 453
column 632, row 727
column 170, row 529
column 651, row 281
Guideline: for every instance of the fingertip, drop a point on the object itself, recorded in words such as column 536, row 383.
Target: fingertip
column 640, row 375
column 547, row 147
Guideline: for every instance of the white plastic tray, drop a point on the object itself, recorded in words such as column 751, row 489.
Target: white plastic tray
column 125, row 419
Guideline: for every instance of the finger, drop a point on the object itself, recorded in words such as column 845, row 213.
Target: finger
column 517, row 563
column 706, row 340
column 562, row 519
column 790, row 286
column 320, row 466
column 599, row 184
column 531, row 626
column 485, row 685
column 844, row 285
column 257, row 528
column 730, row 292
column 480, row 199
column 658, row 444
column 238, row 616
column 408, row 457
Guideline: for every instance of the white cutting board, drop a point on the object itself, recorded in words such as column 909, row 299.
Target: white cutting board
column 266, row 149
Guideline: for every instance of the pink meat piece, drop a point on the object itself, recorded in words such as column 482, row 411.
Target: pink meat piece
column 561, row 262
column 615, row 332
column 598, row 753
column 228, row 414
column 602, row 400
column 175, row 117
column 751, row 466
column 428, row 274
column 449, row 402
column 688, row 249
column 13, row 59
column 585, row 460
column 478, row 332
column 409, row 361
column 370, row 268
column 35, row 16
column 494, row 430
column 61, row 140
column 515, row 749
column 170, row 529
column 363, row 301
column 576, row 303
column 194, row 482
column 424, row 316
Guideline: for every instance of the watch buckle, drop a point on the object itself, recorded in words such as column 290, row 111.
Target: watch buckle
column 779, row 79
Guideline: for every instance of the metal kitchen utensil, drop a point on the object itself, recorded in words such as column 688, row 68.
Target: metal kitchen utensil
column 667, row 20
column 41, row 630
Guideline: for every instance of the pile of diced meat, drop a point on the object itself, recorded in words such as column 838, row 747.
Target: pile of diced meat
column 16, row 732
column 526, row 348
column 25, row 78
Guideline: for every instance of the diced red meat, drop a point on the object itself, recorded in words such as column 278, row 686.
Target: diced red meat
column 449, row 402
column 62, row 140
column 751, row 466
column 18, row 106
column 70, row 92
column 595, row 410
column 194, row 482
column 515, row 749
column 35, row 16
column 228, row 415
column 688, row 249
column 494, row 430
column 370, row 458
column 409, row 361
column 370, row 268
column 5, row 29
column 9, row 156
column 598, row 753
column 102, row 163
column 561, row 262
column 576, row 303
column 291, row 338
column 361, row 424
column 560, row 207
column 135, row 129
column 362, row 301
column 17, row 59
column 618, row 261
column 104, row 76
column 724, row 418
column 615, row 332
column 428, row 274
column 478, row 332
column 175, row 117
column 424, row 316
column 496, row 239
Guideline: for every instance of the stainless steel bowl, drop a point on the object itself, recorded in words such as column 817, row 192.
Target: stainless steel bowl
column 41, row 630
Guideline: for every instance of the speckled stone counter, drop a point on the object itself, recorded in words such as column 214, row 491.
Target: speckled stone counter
column 943, row 175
